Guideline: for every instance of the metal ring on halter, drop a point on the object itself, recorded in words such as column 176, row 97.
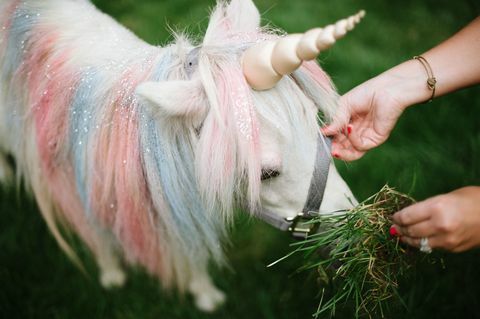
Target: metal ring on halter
column 424, row 246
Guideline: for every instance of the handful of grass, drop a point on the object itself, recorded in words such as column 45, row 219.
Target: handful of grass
column 356, row 258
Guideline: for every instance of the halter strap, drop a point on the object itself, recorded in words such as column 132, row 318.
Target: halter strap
column 300, row 225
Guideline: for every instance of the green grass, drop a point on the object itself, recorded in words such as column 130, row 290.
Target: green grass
column 436, row 145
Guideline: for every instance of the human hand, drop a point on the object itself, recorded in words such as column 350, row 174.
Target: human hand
column 368, row 113
column 365, row 118
column 450, row 221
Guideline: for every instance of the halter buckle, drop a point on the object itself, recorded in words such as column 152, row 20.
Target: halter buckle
column 301, row 225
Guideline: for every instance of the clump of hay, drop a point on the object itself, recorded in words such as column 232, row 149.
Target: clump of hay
column 356, row 258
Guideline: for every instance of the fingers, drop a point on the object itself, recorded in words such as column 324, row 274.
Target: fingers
column 413, row 223
column 422, row 229
column 342, row 149
column 348, row 154
column 438, row 241
column 364, row 140
column 412, row 235
column 351, row 142
column 332, row 129
column 337, row 126
column 433, row 242
column 353, row 131
column 413, row 214
column 436, row 219
column 340, row 121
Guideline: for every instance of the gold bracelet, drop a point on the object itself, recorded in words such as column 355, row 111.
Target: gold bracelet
column 431, row 80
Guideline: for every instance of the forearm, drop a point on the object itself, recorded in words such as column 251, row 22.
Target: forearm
column 369, row 111
column 455, row 64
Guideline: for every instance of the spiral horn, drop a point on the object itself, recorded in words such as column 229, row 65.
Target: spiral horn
column 265, row 63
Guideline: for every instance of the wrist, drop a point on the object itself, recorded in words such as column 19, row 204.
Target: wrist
column 406, row 83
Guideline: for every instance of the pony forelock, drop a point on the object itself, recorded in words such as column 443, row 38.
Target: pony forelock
column 228, row 160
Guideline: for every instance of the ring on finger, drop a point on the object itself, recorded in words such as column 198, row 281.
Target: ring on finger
column 425, row 246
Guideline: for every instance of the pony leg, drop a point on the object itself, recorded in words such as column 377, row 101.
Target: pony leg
column 208, row 298
column 111, row 272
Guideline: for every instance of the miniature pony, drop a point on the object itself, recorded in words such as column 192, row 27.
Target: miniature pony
column 145, row 151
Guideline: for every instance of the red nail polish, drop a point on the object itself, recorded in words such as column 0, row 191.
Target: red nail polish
column 394, row 232
column 349, row 129
column 334, row 154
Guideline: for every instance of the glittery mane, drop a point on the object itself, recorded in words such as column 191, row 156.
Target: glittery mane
column 96, row 158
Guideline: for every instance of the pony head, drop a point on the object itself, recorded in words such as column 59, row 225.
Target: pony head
column 251, row 147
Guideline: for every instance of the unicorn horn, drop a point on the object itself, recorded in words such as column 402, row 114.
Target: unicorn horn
column 265, row 63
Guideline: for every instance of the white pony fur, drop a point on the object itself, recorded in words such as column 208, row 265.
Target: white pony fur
column 147, row 151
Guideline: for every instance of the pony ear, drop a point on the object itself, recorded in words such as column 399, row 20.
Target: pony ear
column 169, row 99
column 243, row 16
column 237, row 17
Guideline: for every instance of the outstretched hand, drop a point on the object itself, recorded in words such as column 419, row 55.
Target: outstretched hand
column 365, row 118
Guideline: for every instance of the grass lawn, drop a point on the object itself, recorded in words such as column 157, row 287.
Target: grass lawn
column 435, row 148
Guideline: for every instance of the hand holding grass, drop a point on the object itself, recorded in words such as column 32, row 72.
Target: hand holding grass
column 450, row 221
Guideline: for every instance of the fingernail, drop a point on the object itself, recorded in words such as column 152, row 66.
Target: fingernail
column 394, row 232
column 335, row 154
column 349, row 129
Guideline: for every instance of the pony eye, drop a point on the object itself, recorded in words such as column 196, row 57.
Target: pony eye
column 191, row 62
column 268, row 173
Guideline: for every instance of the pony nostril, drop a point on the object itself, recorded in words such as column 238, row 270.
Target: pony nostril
column 268, row 173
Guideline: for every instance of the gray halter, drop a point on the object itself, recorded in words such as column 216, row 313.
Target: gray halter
column 300, row 225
